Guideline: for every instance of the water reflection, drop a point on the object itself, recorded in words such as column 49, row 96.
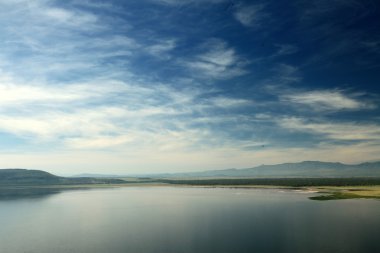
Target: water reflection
column 30, row 192
column 14, row 193
column 179, row 219
column 41, row 192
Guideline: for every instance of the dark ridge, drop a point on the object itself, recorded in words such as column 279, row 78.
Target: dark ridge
column 39, row 177
column 23, row 176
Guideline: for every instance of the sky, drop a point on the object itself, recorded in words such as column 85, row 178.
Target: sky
column 155, row 86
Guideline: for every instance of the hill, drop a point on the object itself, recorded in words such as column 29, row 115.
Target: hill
column 304, row 169
column 39, row 177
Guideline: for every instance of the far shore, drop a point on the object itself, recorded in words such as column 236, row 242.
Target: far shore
column 325, row 192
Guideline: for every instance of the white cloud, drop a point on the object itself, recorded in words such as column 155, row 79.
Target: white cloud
column 249, row 15
column 162, row 48
column 59, row 14
column 16, row 95
column 218, row 61
column 105, row 113
column 39, row 12
column 219, row 55
column 98, row 142
column 51, row 125
column 46, row 40
column 224, row 102
column 326, row 100
column 332, row 130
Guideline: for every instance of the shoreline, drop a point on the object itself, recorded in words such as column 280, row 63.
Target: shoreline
column 327, row 192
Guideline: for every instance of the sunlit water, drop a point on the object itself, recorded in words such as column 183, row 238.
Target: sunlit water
column 180, row 219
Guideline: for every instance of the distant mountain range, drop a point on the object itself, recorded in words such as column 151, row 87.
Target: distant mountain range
column 287, row 170
column 307, row 169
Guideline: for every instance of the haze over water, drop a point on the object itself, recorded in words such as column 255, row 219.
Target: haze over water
column 180, row 219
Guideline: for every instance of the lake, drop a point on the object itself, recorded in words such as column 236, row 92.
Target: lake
column 186, row 219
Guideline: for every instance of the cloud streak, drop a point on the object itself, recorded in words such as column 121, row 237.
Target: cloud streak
column 327, row 100
column 249, row 15
column 349, row 131
column 218, row 61
column 108, row 113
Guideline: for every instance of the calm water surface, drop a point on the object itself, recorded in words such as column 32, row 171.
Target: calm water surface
column 176, row 219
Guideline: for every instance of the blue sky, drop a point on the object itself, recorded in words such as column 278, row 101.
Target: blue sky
column 168, row 85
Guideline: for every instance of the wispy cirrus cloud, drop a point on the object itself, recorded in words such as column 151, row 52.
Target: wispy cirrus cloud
column 47, row 40
column 349, row 131
column 228, row 102
column 218, row 61
column 162, row 48
column 327, row 100
column 16, row 94
column 43, row 15
column 109, row 113
column 56, row 41
column 249, row 15
column 70, row 18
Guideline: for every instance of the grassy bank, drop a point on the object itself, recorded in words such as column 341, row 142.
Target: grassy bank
column 354, row 192
column 292, row 182
column 330, row 188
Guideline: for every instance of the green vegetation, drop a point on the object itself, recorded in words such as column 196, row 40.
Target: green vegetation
column 333, row 188
column 334, row 193
column 293, row 182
